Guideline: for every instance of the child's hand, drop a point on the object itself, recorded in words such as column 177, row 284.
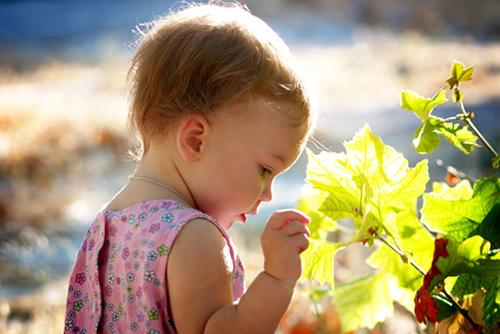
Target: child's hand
column 283, row 239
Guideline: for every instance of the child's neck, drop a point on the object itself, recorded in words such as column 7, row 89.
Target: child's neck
column 156, row 177
column 159, row 164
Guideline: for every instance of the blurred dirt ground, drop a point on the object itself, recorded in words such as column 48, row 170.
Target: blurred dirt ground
column 63, row 138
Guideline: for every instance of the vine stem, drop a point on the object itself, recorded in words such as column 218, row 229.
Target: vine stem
column 473, row 127
column 460, row 309
column 421, row 271
column 402, row 254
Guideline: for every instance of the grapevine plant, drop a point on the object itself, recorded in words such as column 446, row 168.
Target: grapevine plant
column 441, row 262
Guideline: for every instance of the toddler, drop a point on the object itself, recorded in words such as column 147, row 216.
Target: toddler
column 220, row 110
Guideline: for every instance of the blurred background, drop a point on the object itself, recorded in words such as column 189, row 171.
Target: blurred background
column 63, row 140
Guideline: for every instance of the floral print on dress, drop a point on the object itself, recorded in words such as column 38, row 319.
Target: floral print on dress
column 118, row 280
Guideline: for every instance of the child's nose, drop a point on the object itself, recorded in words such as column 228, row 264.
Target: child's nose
column 267, row 193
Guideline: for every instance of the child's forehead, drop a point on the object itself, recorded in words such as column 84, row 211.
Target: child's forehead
column 292, row 114
column 265, row 114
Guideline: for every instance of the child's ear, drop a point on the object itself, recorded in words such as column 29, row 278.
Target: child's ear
column 191, row 137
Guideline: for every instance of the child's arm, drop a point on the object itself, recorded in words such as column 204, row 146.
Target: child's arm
column 200, row 276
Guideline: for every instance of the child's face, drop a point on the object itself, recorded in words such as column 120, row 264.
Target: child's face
column 249, row 145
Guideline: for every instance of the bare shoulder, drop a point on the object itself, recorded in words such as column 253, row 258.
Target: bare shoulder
column 201, row 227
column 199, row 272
column 201, row 242
column 199, row 235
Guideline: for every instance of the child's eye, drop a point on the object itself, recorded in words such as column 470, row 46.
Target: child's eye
column 264, row 170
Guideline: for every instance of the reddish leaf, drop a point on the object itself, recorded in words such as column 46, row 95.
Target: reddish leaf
column 425, row 305
column 439, row 251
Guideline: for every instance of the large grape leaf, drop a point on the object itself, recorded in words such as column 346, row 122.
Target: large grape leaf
column 320, row 225
column 318, row 262
column 478, row 269
column 464, row 217
column 465, row 285
column 366, row 301
column 462, row 189
column 371, row 183
column 326, row 173
column 318, row 258
column 471, row 256
column 471, row 260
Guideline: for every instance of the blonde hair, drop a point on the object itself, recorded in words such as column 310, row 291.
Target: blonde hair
column 203, row 57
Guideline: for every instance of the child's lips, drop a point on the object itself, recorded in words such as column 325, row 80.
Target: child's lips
column 244, row 215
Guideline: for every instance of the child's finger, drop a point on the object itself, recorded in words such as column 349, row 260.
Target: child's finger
column 295, row 227
column 301, row 241
column 283, row 217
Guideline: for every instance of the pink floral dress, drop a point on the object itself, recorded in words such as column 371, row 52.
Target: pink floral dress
column 118, row 281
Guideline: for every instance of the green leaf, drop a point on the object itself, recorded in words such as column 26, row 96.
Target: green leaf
column 446, row 308
column 468, row 257
column 426, row 138
column 460, row 136
column 320, row 224
column 400, row 194
column 366, row 301
column 491, row 305
column 464, row 217
column 325, row 172
column 421, row 106
column 459, row 74
column 318, row 262
column 371, row 183
column 462, row 190
column 465, row 268
column 490, row 227
column 467, row 284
